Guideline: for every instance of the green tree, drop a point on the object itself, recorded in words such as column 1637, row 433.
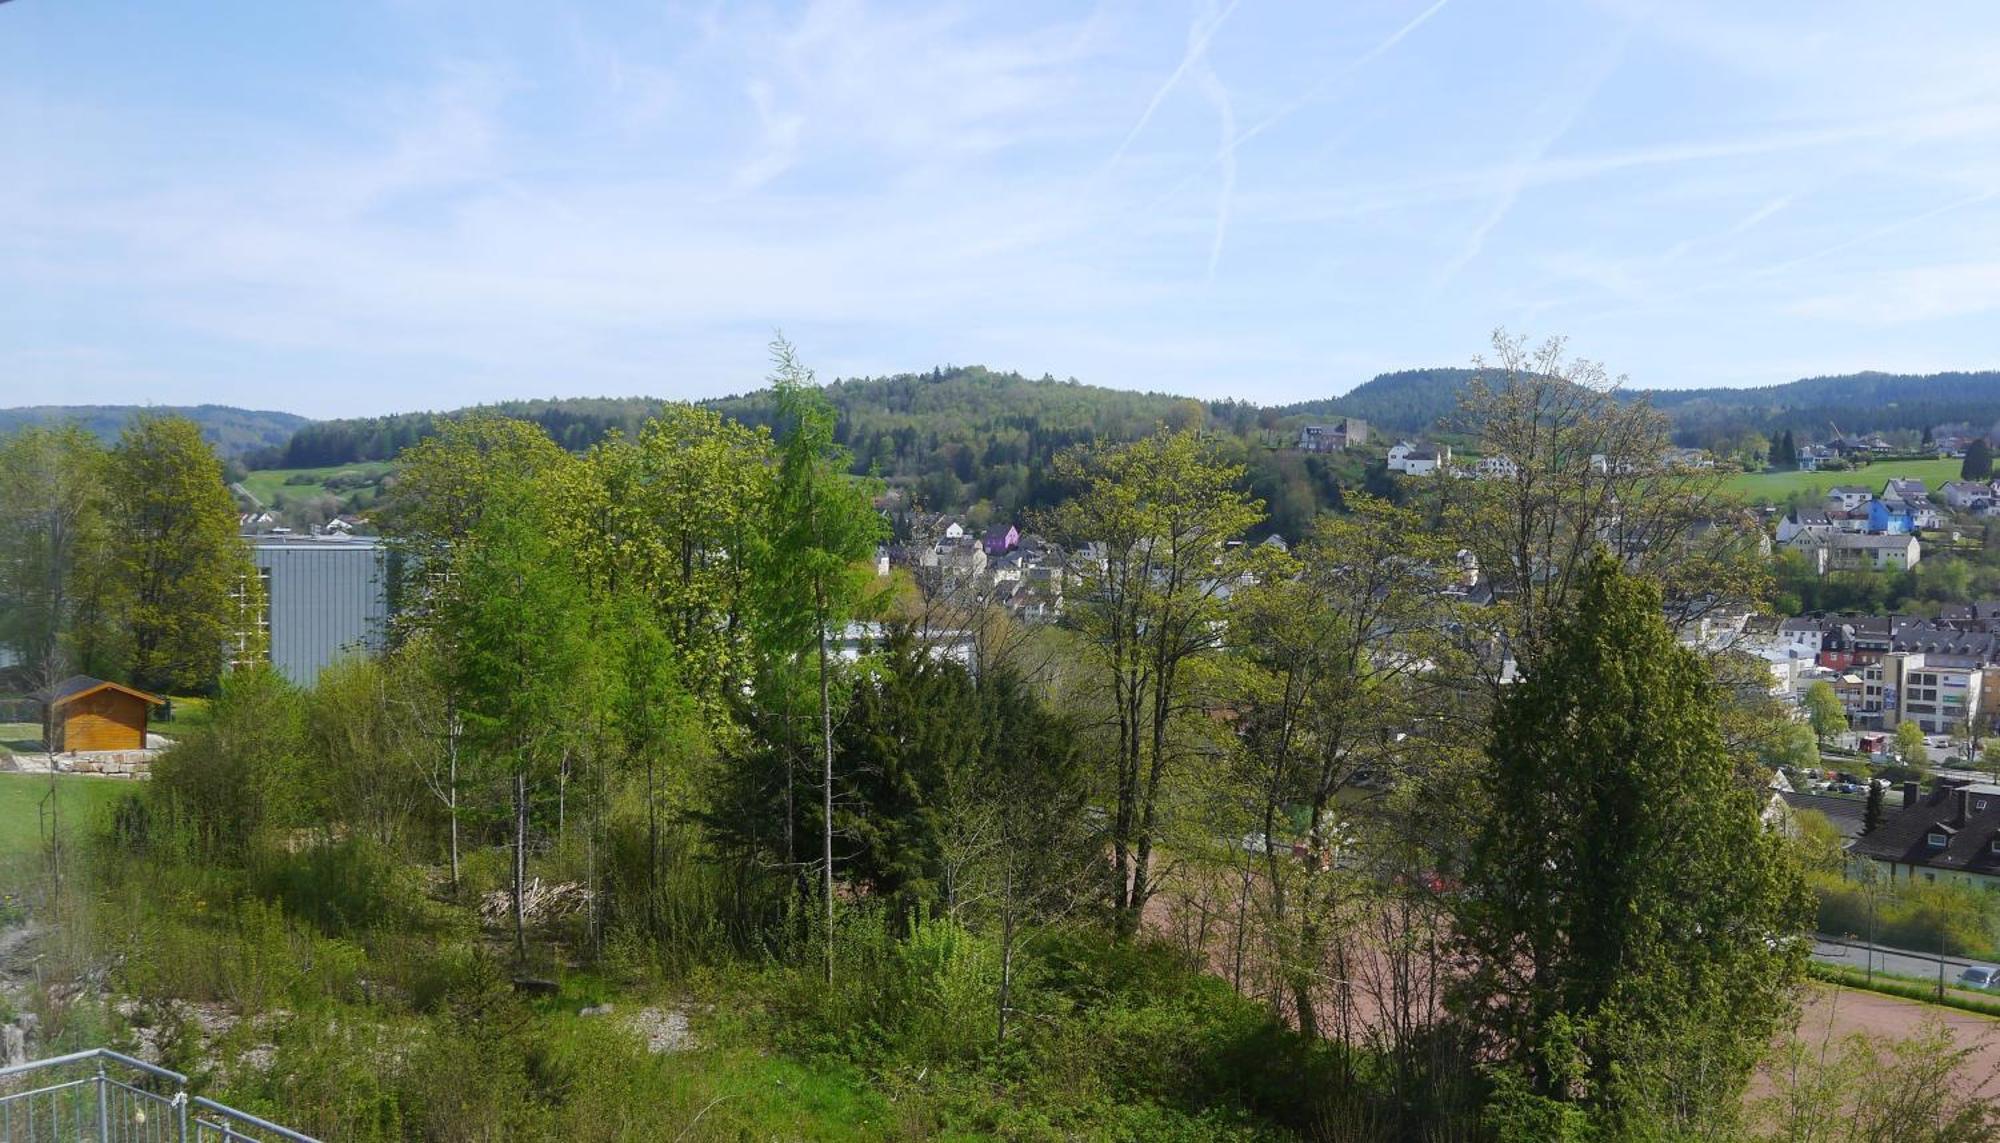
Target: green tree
column 1155, row 522
column 1342, row 644
column 446, row 483
column 1789, row 744
column 818, row 535
column 191, row 593
column 239, row 780
column 1824, row 711
column 1871, row 814
column 1630, row 918
column 1910, row 745
column 518, row 653
column 53, row 547
column 1978, row 461
column 671, row 516
column 1589, row 472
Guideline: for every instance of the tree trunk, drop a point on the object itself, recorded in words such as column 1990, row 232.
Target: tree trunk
column 652, row 851
column 826, row 777
column 451, row 790
column 1006, row 953
column 520, row 862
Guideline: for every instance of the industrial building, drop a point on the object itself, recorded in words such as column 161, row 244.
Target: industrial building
column 324, row 597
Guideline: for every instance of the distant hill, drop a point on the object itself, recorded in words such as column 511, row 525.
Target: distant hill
column 232, row 431
column 1407, row 401
column 966, row 434
column 576, row 423
column 1415, row 400
column 1857, row 402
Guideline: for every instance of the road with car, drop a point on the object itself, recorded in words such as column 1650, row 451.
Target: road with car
column 1900, row 962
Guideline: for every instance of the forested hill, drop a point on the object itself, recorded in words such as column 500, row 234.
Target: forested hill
column 1407, row 401
column 232, row 431
column 574, row 422
column 1856, row 402
column 1415, row 400
column 962, row 435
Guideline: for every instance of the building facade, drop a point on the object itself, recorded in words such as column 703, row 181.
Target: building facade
column 324, row 597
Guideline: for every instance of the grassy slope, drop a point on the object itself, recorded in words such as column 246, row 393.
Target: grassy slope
column 1775, row 486
column 82, row 800
column 265, row 484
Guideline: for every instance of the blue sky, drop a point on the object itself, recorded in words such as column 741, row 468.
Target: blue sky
column 362, row 207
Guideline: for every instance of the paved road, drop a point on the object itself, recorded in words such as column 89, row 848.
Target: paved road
column 1902, row 962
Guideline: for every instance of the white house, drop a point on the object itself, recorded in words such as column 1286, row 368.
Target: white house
column 1417, row 460
column 1802, row 521
column 1496, row 467
column 1848, row 497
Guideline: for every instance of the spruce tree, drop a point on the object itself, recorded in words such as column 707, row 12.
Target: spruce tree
column 1871, row 815
column 1633, row 923
column 1978, row 461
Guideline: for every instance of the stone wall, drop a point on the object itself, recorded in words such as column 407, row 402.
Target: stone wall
column 109, row 763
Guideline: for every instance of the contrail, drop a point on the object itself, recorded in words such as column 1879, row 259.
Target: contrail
column 1225, row 109
column 1310, row 94
column 1197, row 45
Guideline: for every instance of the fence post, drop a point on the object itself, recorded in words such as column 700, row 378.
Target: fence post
column 103, row 1106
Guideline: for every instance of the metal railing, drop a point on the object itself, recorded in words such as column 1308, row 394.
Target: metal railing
column 111, row 1098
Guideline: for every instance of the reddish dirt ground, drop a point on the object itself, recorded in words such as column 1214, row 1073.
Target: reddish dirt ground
column 1847, row 1011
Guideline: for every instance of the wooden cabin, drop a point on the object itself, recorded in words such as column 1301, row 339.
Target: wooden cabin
column 84, row 714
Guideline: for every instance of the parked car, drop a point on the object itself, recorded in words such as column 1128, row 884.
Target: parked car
column 1979, row 976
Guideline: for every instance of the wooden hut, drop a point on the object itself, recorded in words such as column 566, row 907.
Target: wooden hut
column 82, row 714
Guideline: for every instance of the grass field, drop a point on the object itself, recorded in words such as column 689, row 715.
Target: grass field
column 265, row 484
column 1776, row 486
column 82, row 801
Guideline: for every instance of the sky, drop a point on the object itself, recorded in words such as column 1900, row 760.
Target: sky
column 363, row 207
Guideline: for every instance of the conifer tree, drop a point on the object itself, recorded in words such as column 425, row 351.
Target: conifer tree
column 1978, row 461
column 1632, row 921
column 820, row 529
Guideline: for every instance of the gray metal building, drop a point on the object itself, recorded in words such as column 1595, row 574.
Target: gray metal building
column 324, row 597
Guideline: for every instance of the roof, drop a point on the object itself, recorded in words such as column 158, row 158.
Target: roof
column 1870, row 540
column 1954, row 811
column 1846, row 814
column 77, row 686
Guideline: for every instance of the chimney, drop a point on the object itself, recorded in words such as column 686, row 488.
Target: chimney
column 1909, row 794
column 1964, row 806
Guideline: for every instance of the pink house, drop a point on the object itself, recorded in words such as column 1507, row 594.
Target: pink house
column 1002, row 539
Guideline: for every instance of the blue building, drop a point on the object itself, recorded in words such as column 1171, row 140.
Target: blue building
column 1892, row 519
column 324, row 597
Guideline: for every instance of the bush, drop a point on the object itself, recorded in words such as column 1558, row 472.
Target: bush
column 343, row 888
column 1911, row 916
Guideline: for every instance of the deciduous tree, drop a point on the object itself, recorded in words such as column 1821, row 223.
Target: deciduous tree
column 54, row 541
column 1154, row 527
column 1824, row 709
column 189, row 594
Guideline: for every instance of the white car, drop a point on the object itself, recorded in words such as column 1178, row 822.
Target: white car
column 1979, row 976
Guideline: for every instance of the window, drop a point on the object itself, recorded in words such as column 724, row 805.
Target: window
column 1979, row 803
column 1938, row 840
column 1930, row 876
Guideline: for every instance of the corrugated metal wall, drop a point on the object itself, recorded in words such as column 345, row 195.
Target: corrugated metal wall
column 327, row 598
